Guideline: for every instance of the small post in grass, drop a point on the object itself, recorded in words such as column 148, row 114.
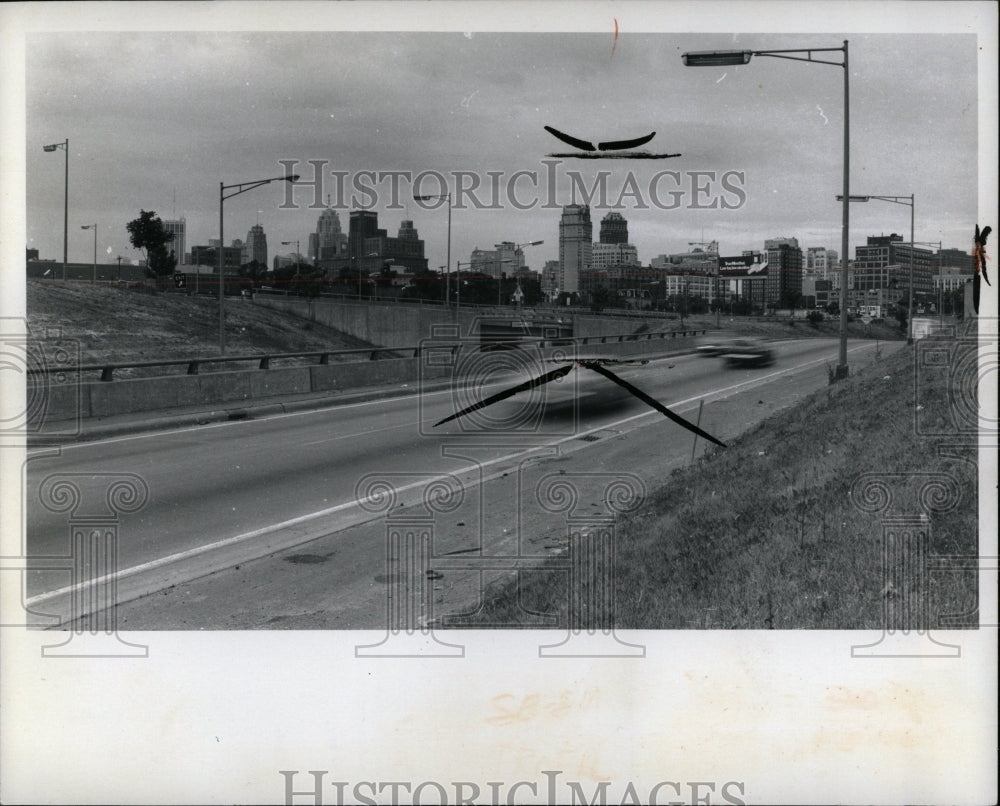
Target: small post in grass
column 694, row 447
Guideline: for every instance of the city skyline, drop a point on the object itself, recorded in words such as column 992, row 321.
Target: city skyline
column 221, row 111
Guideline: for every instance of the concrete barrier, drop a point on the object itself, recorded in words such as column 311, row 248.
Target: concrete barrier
column 70, row 401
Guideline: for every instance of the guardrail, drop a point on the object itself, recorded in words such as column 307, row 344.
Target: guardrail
column 194, row 365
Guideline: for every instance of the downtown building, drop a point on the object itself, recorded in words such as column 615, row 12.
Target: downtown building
column 614, row 229
column 405, row 252
column 255, row 246
column 369, row 249
column 503, row 259
column 744, row 278
column 821, row 262
column 209, row 255
column 329, row 240
column 784, row 272
column 178, row 246
column 884, row 262
column 576, row 242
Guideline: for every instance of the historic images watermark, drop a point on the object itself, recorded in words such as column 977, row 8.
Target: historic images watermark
column 550, row 186
column 500, row 436
column 303, row 787
column 46, row 366
column 949, row 369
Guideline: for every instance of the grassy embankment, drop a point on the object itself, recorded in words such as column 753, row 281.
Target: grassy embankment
column 117, row 324
column 764, row 534
column 777, row 327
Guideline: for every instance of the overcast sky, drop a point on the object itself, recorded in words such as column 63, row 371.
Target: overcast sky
column 157, row 120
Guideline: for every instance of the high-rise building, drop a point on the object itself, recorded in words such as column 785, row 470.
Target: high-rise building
column 329, row 240
column 255, row 247
column 784, row 271
column 820, row 261
column 884, row 262
column 576, row 242
column 177, row 228
column 362, row 224
column 406, row 249
column 614, row 229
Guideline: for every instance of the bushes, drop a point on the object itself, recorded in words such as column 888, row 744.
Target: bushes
column 814, row 318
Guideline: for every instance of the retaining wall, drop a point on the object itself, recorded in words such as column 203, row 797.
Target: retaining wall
column 68, row 400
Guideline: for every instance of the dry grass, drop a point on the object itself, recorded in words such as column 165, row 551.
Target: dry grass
column 764, row 533
column 118, row 324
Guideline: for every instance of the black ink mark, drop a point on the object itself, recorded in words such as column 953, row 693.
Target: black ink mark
column 979, row 258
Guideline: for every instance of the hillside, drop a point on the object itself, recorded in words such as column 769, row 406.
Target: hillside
column 119, row 324
column 708, row 550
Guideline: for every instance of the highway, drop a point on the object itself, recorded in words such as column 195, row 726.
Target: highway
column 248, row 495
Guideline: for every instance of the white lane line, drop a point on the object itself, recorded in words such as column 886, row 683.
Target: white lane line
column 264, row 530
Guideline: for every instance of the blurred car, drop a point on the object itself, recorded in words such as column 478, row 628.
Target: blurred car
column 747, row 353
column 715, row 348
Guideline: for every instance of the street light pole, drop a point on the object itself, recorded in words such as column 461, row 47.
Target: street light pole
column 65, row 147
column 93, row 274
column 722, row 58
column 237, row 189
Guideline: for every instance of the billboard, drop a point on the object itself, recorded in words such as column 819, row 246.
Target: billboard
column 753, row 264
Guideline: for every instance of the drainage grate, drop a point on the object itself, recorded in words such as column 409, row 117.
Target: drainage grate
column 589, row 437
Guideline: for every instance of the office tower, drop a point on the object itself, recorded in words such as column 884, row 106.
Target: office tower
column 576, row 241
column 614, row 229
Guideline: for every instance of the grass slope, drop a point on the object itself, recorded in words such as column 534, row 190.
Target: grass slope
column 764, row 534
column 118, row 324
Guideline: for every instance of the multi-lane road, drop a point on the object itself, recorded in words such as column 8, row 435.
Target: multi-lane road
column 293, row 507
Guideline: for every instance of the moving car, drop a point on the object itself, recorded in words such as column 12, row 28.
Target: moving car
column 748, row 353
column 715, row 348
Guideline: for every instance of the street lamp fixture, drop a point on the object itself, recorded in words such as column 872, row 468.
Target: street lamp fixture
column 726, row 58
column 93, row 276
column 908, row 202
column 65, row 147
column 447, row 274
column 236, row 189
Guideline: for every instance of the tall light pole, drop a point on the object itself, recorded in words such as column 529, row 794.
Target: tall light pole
column 447, row 274
column 237, row 189
column 723, row 58
column 896, row 200
column 65, row 147
column 93, row 275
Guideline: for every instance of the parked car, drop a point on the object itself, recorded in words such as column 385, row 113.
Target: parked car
column 748, row 353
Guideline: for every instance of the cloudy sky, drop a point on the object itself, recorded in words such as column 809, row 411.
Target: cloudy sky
column 156, row 120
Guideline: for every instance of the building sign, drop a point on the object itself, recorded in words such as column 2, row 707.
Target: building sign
column 753, row 265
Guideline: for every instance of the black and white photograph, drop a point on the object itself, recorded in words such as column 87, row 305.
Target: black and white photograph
column 499, row 403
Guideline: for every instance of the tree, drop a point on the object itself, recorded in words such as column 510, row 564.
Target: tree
column 599, row 298
column 148, row 234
